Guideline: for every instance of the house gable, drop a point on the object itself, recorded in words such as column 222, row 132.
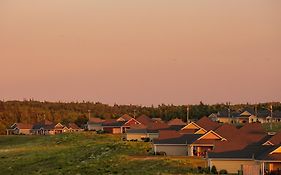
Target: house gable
column 268, row 143
column 245, row 113
column 211, row 135
column 59, row 125
column 191, row 125
column 201, row 131
column 277, row 150
column 132, row 121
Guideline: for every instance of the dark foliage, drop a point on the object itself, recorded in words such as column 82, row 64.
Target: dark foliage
column 30, row 111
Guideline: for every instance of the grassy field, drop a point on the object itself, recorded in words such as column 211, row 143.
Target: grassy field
column 85, row 153
column 275, row 127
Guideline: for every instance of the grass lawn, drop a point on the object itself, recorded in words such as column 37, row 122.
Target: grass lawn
column 85, row 153
column 275, row 127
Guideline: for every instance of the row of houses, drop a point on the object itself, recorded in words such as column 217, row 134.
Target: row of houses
column 42, row 128
column 248, row 149
column 246, row 116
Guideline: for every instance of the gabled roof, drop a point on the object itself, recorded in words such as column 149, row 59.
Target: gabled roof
column 45, row 124
column 138, row 126
column 131, row 120
column 175, row 127
column 207, row 124
column 176, row 121
column 253, row 131
column 96, row 120
column 227, row 131
column 143, row 119
column 253, row 151
column 191, row 126
column 72, row 126
column 211, row 135
column 201, row 131
column 245, row 113
column 157, row 119
column 157, row 126
column 276, row 139
column 124, row 117
column 22, row 126
column 182, row 140
column 167, row 134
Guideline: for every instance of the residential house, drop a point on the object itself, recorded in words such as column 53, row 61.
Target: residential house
column 149, row 131
column 48, row 128
column 20, row 128
column 254, row 159
column 246, row 116
column 95, row 124
column 118, row 126
column 182, row 144
column 72, row 127
column 203, row 125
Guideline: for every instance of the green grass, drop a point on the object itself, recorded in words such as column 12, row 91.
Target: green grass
column 275, row 127
column 85, row 153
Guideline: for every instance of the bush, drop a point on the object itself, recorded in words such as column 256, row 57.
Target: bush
column 161, row 153
column 214, row 170
column 223, row 172
column 100, row 132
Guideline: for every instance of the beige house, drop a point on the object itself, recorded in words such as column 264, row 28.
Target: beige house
column 255, row 159
column 20, row 128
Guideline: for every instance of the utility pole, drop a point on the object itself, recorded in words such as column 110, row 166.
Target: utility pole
column 271, row 116
column 187, row 114
column 228, row 110
column 134, row 113
column 89, row 114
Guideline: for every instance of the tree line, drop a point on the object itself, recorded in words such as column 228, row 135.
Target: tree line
column 30, row 111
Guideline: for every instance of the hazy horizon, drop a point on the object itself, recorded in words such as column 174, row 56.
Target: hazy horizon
column 141, row 52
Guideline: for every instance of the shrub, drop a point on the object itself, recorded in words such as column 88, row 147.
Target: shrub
column 223, row 171
column 214, row 170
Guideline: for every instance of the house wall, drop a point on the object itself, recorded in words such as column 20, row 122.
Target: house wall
column 135, row 136
column 94, row 127
column 232, row 166
column 224, row 119
column 24, row 131
column 153, row 136
column 116, row 130
column 275, row 166
column 172, row 150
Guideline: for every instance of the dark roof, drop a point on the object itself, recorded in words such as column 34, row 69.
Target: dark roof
column 176, row 121
column 113, row 123
column 167, row 134
column 72, row 126
column 125, row 117
column 207, row 123
column 183, row 139
column 224, row 114
column 144, row 131
column 276, row 139
column 253, row 151
column 135, row 131
column 176, row 127
column 143, row 119
column 227, row 131
column 95, row 120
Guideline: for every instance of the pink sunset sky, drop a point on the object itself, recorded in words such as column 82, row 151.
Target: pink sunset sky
column 141, row 51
